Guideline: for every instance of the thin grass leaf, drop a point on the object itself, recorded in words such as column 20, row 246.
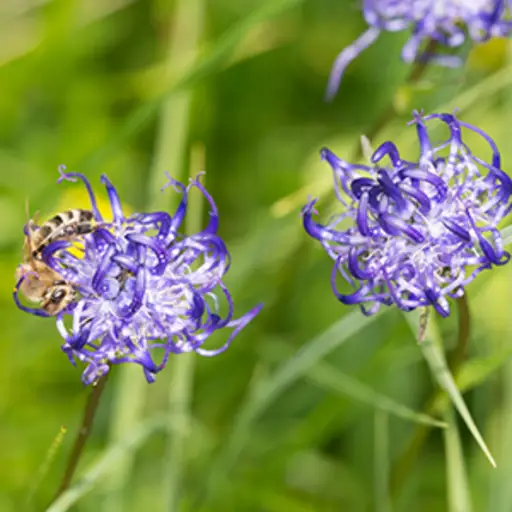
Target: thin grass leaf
column 110, row 459
column 126, row 412
column 214, row 60
column 45, row 466
column 332, row 379
column 499, row 488
column 500, row 491
column 434, row 356
column 477, row 370
column 297, row 366
column 175, row 114
column 473, row 373
column 272, row 387
column 459, row 499
column 182, row 372
column 170, row 153
column 381, row 462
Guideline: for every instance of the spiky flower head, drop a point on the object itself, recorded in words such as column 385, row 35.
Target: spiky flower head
column 145, row 290
column 415, row 233
column 447, row 22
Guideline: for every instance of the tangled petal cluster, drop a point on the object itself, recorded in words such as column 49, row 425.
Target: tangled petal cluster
column 414, row 233
column 144, row 289
column 444, row 21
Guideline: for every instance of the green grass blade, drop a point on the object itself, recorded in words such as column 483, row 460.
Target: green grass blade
column 431, row 349
column 213, row 61
column 332, row 379
column 473, row 373
column 459, row 499
column 477, row 370
column 173, row 132
column 499, row 488
column 45, row 466
column 181, row 369
column 381, row 462
column 500, row 495
column 126, row 414
column 335, row 380
column 110, row 459
column 297, row 366
column 170, row 153
column 272, row 387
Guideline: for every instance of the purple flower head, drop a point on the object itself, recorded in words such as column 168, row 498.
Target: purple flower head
column 415, row 233
column 447, row 22
column 145, row 291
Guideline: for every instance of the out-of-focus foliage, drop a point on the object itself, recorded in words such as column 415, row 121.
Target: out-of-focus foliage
column 80, row 85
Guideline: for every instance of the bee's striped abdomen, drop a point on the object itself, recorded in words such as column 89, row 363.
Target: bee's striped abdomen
column 63, row 226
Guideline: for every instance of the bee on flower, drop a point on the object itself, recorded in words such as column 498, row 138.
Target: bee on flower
column 141, row 287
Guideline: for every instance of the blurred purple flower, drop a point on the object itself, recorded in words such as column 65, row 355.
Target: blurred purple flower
column 414, row 233
column 444, row 21
column 143, row 287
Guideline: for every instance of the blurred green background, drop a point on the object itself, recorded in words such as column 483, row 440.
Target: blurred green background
column 313, row 408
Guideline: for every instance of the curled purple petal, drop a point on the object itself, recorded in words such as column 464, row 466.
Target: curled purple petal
column 115, row 202
column 143, row 286
column 213, row 225
column 416, row 233
column 346, row 57
column 179, row 215
column 69, row 177
column 26, row 309
column 156, row 220
column 449, row 23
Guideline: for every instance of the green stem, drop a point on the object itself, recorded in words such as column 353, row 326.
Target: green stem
column 82, row 436
column 169, row 155
column 403, row 467
column 173, row 132
column 459, row 353
column 182, row 371
column 125, row 414
column 381, row 463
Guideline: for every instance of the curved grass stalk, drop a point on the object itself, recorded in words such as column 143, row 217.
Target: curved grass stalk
column 170, row 152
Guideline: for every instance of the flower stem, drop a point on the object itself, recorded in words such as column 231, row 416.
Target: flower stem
column 186, row 22
column 182, row 371
column 381, row 461
column 403, row 466
column 463, row 334
column 83, row 434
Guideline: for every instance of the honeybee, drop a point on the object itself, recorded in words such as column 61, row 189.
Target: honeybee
column 63, row 226
column 41, row 283
column 44, row 285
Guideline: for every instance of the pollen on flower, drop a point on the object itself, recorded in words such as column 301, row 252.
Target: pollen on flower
column 143, row 287
column 419, row 231
column 447, row 22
